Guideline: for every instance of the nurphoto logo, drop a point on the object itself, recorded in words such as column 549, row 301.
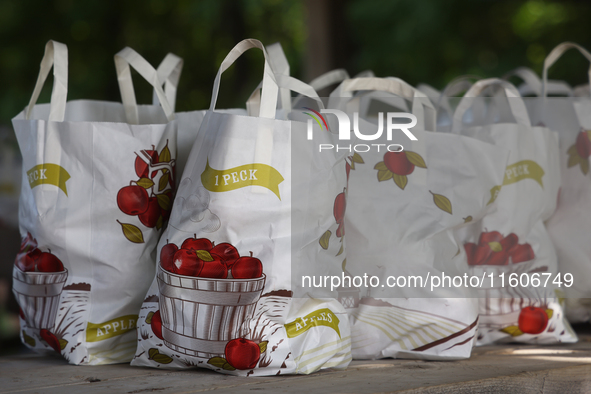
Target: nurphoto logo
column 344, row 124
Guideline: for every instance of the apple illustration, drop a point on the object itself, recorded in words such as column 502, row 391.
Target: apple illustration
column 247, row 268
column 51, row 340
column 151, row 215
column 509, row 242
column 498, row 258
column 347, row 169
column 156, row 324
column 583, row 145
column 340, row 204
column 214, row 269
column 167, row 256
column 48, row 262
column 141, row 167
column 132, row 200
column 28, row 261
column 185, row 262
column 398, row 163
column 197, row 244
column 242, row 353
column 520, row 253
column 227, row 252
column 532, row 320
column 492, row 236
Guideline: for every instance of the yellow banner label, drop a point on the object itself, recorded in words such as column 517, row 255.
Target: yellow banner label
column 238, row 177
column 525, row 169
column 48, row 173
column 321, row 317
column 112, row 328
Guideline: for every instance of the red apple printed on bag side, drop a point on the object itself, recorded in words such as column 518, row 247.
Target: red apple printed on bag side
column 156, row 324
column 247, row 267
column 398, row 165
column 167, row 256
column 242, row 353
column 494, row 249
column 532, row 320
column 579, row 152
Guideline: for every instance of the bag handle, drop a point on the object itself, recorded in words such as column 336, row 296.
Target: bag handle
column 270, row 89
column 554, row 55
column 280, row 66
column 516, row 103
column 533, row 84
column 329, row 78
column 56, row 56
column 169, row 71
column 288, row 84
column 395, row 86
column 128, row 57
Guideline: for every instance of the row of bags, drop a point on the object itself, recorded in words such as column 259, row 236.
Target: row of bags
column 177, row 240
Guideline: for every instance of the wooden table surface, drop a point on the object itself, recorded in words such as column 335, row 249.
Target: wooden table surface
column 491, row 369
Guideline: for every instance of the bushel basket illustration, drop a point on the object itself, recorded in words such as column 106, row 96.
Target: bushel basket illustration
column 38, row 295
column 201, row 315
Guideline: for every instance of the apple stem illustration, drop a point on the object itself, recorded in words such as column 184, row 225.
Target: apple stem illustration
column 251, row 253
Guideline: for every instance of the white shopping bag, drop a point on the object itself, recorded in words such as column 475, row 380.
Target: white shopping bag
column 97, row 185
column 569, row 226
column 401, row 210
column 227, row 304
column 511, row 245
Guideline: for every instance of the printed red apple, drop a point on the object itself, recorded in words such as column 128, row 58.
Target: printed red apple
column 215, row 269
column 498, row 258
column 48, row 262
column 227, row 252
column 583, row 145
column 347, row 169
column 470, row 249
column 197, row 244
column 242, row 353
column 141, row 167
column 167, row 256
column 492, row 236
column 247, row 268
column 532, row 320
column 509, row 242
column 156, row 324
column 51, row 340
column 398, row 163
column 152, row 214
column 340, row 205
column 520, row 253
column 185, row 262
column 132, row 200
column 27, row 262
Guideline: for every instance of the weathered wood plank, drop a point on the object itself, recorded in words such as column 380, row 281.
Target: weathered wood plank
column 539, row 369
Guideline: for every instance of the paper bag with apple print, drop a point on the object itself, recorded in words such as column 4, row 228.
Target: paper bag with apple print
column 513, row 240
column 96, row 180
column 223, row 297
column 571, row 119
column 401, row 210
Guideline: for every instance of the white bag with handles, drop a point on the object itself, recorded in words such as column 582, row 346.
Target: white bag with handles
column 222, row 296
column 96, row 184
column 401, row 210
column 511, row 245
column 571, row 222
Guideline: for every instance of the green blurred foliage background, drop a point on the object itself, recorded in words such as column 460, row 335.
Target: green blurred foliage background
column 429, row 41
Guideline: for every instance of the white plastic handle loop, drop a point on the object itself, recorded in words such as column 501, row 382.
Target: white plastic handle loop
column 516, row 104
column 169, row 71
column 555, row 54
column 123, row 60
column 270, row 89
column 330, row 78
column 56, row 55
column 532, row 84
column 394, row 86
